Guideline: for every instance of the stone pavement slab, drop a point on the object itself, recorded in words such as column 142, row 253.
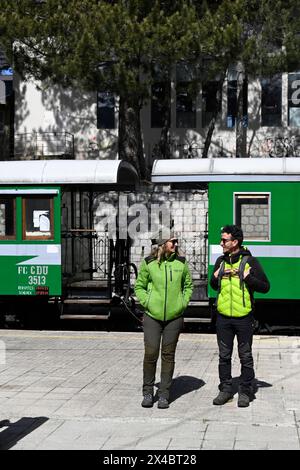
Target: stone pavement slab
column 82, row 390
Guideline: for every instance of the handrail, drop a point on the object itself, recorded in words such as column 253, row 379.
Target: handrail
column 37, row 145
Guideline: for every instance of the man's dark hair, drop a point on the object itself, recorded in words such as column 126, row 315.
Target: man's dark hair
column 235, row 232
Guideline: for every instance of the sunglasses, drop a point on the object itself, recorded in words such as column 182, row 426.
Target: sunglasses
column 173, row 241
column 225, row 240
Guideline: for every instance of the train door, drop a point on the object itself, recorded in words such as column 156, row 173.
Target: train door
column 77, row 234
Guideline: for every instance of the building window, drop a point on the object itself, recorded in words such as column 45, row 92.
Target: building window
column 2, row 93
column 211, row 106
column 185, row 96
column 105, row 110
column 7, row 218
column 294, row 99
column 185, row 106
column 38, row 218
column 252, row 214
column 271, row 98
column 160, row 103
column 232, row 103
column 1, row 121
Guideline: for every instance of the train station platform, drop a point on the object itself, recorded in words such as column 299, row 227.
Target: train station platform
column 82, row 391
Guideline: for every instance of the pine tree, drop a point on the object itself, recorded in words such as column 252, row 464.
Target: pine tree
column 92, row 44
column 117, row 45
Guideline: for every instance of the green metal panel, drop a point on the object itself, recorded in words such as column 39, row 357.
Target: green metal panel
column 282, row 271
column 32, row 267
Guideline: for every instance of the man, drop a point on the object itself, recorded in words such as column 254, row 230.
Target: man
column 236, row 276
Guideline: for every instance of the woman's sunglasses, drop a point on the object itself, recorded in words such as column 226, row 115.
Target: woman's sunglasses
column 174, row 241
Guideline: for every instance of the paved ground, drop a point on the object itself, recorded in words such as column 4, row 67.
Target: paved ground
column 82, row 390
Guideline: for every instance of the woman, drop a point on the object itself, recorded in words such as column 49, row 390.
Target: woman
column 164, row 288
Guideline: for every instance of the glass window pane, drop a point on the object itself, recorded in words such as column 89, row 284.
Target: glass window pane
column 231, row 103
column 252, row 214
column 7, row 218
column 160, row 104
column 210, row 105
column 105, row 110
column 294, row 99
column 271, row 96
column 38, row 218
column 185, row 106
column 1, row 121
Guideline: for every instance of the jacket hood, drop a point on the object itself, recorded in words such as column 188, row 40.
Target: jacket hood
column 234, row 258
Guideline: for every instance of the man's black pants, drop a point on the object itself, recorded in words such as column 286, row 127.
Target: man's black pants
column 166, row 333
column 227, row 328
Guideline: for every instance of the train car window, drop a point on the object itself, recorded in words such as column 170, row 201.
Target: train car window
column 38, row 218
column 7, row 218
column 252, row 214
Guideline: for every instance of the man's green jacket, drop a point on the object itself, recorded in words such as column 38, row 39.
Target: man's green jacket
column 164, row 289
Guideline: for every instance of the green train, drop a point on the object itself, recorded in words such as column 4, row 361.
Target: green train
column 30, row 241
column 268, row 213
column 48, row 239
column 263, row 197
column 47, row 228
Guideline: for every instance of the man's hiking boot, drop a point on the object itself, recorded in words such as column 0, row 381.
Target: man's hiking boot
column 147, row 401
column 222, row 398
column 162, row 403
column 243, row 400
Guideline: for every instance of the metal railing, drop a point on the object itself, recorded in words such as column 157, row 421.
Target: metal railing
column 195, row 250
column 39, row 145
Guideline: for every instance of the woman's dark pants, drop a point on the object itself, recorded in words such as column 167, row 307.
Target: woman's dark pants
column 227, row 328
column 155, row 333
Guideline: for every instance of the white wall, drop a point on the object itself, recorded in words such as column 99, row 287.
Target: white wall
column 52, row 109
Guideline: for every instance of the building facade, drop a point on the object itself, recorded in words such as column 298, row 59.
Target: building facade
column 6, row 109
column 50, row 122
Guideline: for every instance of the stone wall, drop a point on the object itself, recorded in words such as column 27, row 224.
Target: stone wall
column 255, row 221
column 143, row 212
column 2, row 219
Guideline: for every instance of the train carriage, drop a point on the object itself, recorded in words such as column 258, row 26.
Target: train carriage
column 260, row 195
column 30, row 245
column 47, row 234
column 48, row 237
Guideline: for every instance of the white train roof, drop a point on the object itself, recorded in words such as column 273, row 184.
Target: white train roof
column 226, row 169
column 69, row 172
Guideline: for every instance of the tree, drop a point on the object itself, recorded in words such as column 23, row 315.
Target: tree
column 111, row 45
column 261, row 37
column 116, row 45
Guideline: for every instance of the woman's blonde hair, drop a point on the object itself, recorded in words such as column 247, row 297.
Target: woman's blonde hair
column 159, row 252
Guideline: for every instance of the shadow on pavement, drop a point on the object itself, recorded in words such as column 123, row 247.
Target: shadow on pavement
column 184, row 384
column 255, row 386
column 16, row 431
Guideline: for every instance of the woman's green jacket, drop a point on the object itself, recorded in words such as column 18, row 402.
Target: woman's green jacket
column 164, row 289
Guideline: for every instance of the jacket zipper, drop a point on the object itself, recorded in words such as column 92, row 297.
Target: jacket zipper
column 166, row 275
column 171, row 273
column 149, row 298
